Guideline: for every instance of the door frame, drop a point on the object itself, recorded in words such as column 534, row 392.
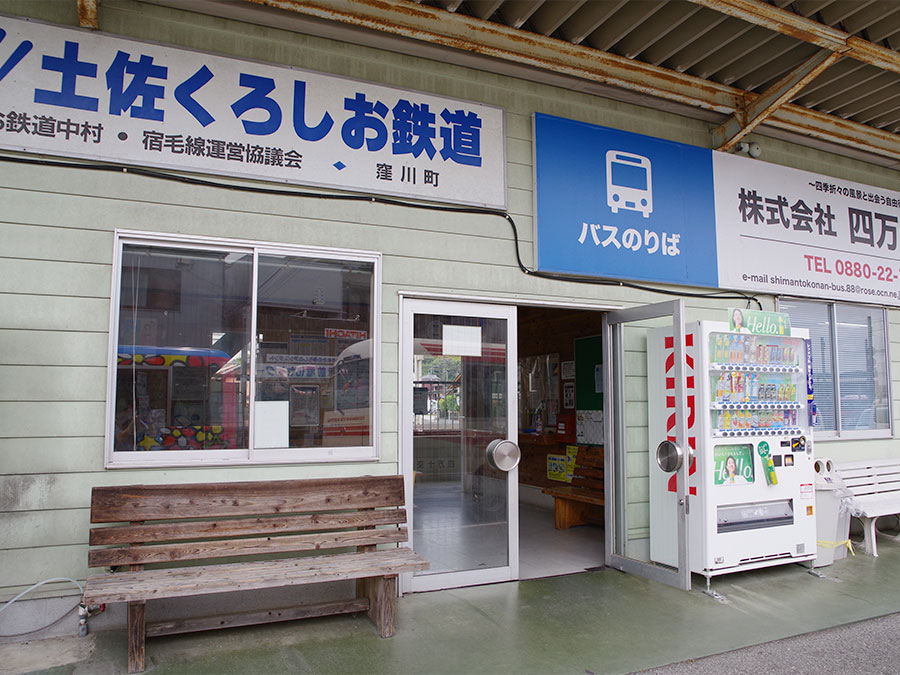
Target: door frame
column 408, row 307
column 614, row 423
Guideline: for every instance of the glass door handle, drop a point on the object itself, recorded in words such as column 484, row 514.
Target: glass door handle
column 503, row 454
column 669, row 456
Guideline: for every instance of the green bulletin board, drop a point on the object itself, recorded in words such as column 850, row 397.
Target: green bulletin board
column 588, row 373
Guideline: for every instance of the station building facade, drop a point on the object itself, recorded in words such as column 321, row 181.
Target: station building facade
column 186, row 195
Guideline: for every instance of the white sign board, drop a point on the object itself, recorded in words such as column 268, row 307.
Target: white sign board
column 461, row 340
column 789, row 232
column 89, row 95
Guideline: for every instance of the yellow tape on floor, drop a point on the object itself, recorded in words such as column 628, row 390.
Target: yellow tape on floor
column 836, row 544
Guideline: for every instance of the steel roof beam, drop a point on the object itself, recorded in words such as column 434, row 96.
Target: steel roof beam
column 462, row 32
column 88, row 14
column 801, row 28
column 726, row 136
column 835, row 130
column 430, row 25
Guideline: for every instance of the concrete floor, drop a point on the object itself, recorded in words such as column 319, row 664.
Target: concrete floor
column 863, row 648
column 592, row 622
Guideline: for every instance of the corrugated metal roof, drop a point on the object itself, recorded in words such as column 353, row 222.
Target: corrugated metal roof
column 707, row 43
column 822, row 71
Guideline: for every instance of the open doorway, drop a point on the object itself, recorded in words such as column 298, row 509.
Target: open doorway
column 561, row 489
column 465, row 387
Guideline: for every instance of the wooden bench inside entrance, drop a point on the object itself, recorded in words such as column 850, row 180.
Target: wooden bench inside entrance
column 248, row 536
column 875, row 486
column 580, row 503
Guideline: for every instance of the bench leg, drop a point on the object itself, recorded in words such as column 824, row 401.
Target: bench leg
column 567, row 513
column 381, row 592
column 869, row 533
column 136, row 636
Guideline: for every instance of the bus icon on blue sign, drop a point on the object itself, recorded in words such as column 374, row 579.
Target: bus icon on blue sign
column 628, row 182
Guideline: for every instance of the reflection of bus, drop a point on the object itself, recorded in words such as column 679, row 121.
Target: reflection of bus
column 628, row 182
column 167, row 398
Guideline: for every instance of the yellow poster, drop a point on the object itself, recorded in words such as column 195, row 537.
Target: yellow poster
column 571, row 456
column 556, row 467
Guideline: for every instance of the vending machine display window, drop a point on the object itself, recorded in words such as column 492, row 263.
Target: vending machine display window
column 755, row 384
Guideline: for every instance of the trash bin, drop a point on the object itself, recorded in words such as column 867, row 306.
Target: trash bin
column 832, row 514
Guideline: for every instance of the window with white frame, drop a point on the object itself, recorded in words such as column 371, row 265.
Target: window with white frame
column 241, row 352
column 851, row 378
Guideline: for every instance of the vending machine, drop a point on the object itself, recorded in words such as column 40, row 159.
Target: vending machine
column 751, row 487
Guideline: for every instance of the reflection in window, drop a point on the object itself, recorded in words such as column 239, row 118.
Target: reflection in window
column 314, row 365
column 179, row 373
column 186, row 351
column 850, row 367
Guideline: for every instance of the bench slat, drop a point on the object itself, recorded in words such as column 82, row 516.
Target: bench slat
column 590, row 456
column 138, row 503
column 253, row 618
column 863, row 490
column 856, row 484
column 586, row 496
column 256, row 575
column 588, row 484
column 869, row 486
column 216, row 529
column 862, row 472
column 861, row 484
column 871, row 477
column 867, row 463
column 878, row 505
column 235, row 548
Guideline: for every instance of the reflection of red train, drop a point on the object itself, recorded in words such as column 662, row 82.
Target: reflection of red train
column 175, row 400
column 489, row 353
column 349, row 423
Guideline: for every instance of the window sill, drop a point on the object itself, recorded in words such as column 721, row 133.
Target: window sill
column 156, row 460
column 881, row 434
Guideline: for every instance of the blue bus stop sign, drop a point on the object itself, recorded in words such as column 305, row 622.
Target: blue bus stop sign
column 620, row 205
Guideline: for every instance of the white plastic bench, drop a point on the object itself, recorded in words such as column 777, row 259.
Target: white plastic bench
column 875, row 485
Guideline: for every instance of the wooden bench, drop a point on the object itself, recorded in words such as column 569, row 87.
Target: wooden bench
column 582, row 502
column 575, row 506
column 875, row 486
column 249, row 536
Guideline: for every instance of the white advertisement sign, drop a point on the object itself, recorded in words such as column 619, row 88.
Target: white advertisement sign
column 89, row 95
column 791, row 232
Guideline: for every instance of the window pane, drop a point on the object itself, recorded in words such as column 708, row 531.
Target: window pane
column 314, row 370
column 182, row 344
column 863, row 376
column 816, row 317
